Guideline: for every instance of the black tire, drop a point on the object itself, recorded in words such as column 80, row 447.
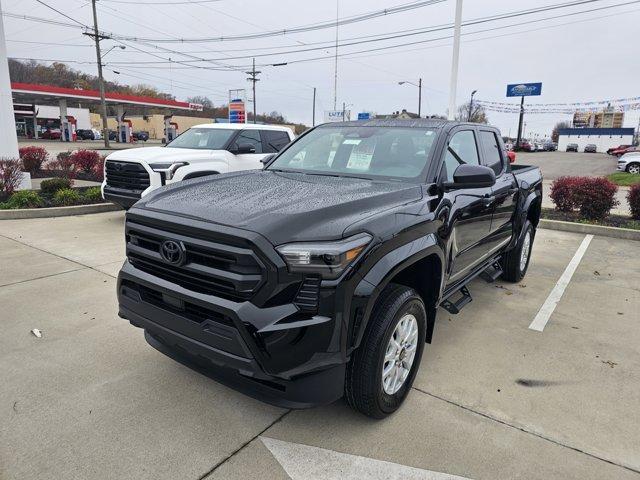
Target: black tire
column 363, row 385
column 512, row 270
column 633, row 166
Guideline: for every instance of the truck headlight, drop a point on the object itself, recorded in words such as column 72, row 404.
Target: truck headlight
column 167, row 168
column 328, row 259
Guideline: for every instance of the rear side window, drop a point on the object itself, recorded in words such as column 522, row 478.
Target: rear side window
column 273, row 141
column 463, row 144
column 491, row 151
column 251, row 137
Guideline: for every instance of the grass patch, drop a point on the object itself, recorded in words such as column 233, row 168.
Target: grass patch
column 624, row 179
column 619, row 221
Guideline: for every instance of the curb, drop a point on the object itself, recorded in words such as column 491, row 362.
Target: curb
column 57, row 211
column 614, row 232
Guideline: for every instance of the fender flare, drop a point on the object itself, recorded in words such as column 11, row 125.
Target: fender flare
column 379, row 276
column 204, row 173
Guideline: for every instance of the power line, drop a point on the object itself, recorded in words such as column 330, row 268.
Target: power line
column 300, row 29
column 62, row 13
column 126, row 2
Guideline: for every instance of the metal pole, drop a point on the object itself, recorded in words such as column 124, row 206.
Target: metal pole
column 314, row 106
column 471, row 106
column 96, row 37
column 335, row 67
column 519, row 138
column 454, row 61
column 419, row 97
column 254, row 90
column 344, row 105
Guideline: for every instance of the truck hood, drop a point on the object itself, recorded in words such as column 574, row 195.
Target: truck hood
column 161, row 154
column 283, row 207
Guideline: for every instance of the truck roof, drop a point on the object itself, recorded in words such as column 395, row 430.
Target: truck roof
column 242, row 126
column 415, row 123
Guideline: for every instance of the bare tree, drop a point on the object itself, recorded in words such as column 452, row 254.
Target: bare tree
column 558, row 126
column 478, row 113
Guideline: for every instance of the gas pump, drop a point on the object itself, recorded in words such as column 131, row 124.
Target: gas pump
column 126, row 131
column 170, row 129
column 68, row 129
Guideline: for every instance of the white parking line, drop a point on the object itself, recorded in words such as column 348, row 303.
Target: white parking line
column 554, row 297
column 304, row 462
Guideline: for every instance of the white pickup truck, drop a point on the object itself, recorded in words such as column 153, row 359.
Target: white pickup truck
column 206, row 149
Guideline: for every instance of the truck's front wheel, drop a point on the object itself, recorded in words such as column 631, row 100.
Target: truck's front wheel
column 383, row 368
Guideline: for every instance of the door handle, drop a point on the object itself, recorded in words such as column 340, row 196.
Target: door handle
column 488, row 199
column 513, row 190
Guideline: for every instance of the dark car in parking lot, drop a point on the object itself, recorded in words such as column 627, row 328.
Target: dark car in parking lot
column 550, row 147
column 320, row 275
column 141, row 136
column 590, row 148
column 85, row 134
column 572, row 147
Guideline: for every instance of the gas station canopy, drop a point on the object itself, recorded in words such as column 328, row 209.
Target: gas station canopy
column 30, row 93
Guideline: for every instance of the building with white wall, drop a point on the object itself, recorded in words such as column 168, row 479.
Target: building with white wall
column 602, row 138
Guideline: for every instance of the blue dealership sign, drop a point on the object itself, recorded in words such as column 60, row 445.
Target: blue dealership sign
column 364, row 116
column 524, row 89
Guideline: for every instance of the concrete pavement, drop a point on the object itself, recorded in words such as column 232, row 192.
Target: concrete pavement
column 493, row 399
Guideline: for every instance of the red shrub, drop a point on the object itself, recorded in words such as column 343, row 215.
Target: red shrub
column 10, row 175
column 595, row 197
column 563, row 192
column 64, row 165
column 633, row 197
column 33, row 158
column 98, row 171
column 85, row 160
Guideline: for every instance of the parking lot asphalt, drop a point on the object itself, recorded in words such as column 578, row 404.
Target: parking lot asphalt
column 493, row 398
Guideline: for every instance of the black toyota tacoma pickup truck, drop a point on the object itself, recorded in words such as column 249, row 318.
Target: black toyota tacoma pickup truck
column 320, row 276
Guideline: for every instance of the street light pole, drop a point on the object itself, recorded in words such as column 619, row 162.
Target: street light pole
column 97, row 37
column 314, row 106
column 454, row 61
column 420, row 97
column 471, row 105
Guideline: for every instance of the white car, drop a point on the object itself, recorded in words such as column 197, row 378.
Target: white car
column 629, row 162
column 96, row 134
column 207, row 149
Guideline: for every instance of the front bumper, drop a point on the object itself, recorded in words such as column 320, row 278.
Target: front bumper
column 622, row 166
column 271, row 353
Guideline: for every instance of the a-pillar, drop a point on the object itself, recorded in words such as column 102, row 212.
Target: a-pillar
column 63, row 120
column 120, row 116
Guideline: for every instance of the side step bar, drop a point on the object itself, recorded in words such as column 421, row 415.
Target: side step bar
column 489, row 274
column 455, row 307
column 492, row 272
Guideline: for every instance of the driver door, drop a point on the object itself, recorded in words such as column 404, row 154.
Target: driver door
column 469, row 218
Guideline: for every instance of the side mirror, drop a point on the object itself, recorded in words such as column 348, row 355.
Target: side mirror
column 244, row 148
column 471, row 176
column 267, row 158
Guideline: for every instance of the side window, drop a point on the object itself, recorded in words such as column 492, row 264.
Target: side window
column 491, row 151
column 463, row 143
column 274, row 141
column 251, row 137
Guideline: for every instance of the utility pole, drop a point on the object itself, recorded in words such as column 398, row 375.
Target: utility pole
column 454, row 61
column 314, row 107
column 97, row 37
column 254, row 78
column 344, row 106
column 335, row 63
column 420, row 97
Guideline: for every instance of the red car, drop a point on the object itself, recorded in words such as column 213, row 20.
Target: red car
column 512, row 156
column 619, row 147
column 50, row 134
column 622, row 149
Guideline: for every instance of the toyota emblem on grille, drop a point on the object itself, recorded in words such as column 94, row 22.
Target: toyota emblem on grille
column 172, row 252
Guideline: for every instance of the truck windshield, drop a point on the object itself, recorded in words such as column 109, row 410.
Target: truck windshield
column 203, row 138
column 360, row 151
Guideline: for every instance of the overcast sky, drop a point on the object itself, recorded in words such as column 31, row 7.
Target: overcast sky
column 577, row 56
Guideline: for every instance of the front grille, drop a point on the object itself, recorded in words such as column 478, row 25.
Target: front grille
column 127, row 176
column 213, row 268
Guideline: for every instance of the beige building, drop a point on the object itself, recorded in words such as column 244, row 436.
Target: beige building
column 607, row 118
column 154, row 124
